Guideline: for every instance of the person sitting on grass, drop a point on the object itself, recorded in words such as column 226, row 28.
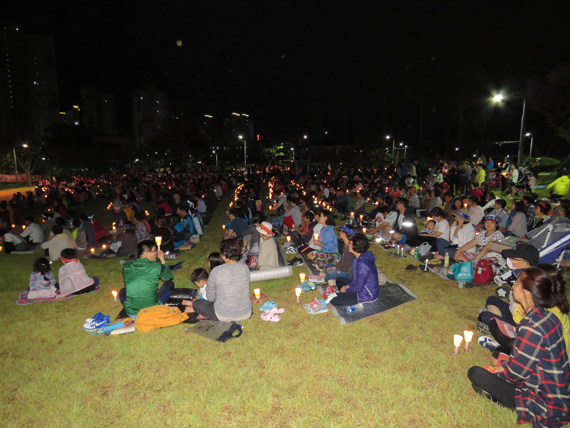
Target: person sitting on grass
column 342, row 268
column 500, row 213
column 123, row 246
column 56, row 243
column 79, row 234
column 327, row 238
column 200, row 278
column 461, row 233
column 481, row 242
column 142, row 277
column 142, row 228
column 163, row 229
column 364, row 286
column 33, row 232
column 42, row 282
column 302, row 231
column 405, row 227
column 516, row 222
column 13, row 242
column 268, row 257
column 534, row 379
column 72, row 276
column 227, row 295
column 214, row 260
column 540, row 214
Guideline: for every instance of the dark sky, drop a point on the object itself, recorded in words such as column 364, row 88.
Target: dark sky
column 305, row 67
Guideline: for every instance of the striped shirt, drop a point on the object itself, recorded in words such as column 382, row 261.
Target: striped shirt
column 539, row 368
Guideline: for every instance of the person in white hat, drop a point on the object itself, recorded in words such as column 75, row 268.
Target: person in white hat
column 268, row 256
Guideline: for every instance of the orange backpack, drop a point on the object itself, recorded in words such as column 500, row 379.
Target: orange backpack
column 156, row 317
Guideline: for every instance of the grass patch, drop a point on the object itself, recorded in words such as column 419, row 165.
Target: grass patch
column 395, row 369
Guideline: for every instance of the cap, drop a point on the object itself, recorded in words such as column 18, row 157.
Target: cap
column 522, row 251
column 490, row 218
column 265, row 228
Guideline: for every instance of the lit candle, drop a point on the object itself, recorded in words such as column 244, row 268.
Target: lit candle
column 23, row 227
column 352, row 215
column 114, row 227
column 104, row 246
column 114, row 293
column 147, row 213
column 92, row 250
column 158, row 240
column 363, row 230
column 361, row 217
column 257, row 293
column 457, row 339
column 223, row 226
column 298, row 292
column 13, row 226
column 1, row 248
column 316, row 236
column 302, row 276
column 468, row 335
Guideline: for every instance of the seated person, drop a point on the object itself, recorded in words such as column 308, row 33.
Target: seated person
column 385, row 220
column 13, row 242
column 200, row 278
column 461, row 233
column 33, row 232
column 87, row 226
column 540, row 214
column 227, row 295
column 342, row 268
column 364, row 286
column 123, row 246
column 162, row 229
column 534, row 379
column 47, row 224
column 299, row 234
column 500, row 213
column 186, row 221
column 79, row 235
column 342, row 203
column 42, row 282
column 72, row 276
column 237, row 225
column 327, row 239
column 405, row 227
column 516, row 221
column 142, row 277
column 429, row 228
column 481, row 242
column 56, row 243
column 268, row 257
column 293, row 216
column 142, row 228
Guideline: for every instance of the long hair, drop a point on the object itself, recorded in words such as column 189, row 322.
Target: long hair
column 546, row 287
column 559, row 287
column 214, row 260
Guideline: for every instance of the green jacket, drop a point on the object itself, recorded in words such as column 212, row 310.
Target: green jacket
column 561, row 185
column 141, row 283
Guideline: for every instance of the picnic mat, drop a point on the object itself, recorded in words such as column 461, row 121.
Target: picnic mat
column 23, row 298
column 391, row 295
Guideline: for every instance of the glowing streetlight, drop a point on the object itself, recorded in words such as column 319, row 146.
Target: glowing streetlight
column 498, row 98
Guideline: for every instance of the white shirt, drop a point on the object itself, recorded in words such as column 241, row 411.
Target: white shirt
column 326, row 192
column 443, row 227
column 35, row 232
column 316, row 230
column 466, row 234
column 476, row 215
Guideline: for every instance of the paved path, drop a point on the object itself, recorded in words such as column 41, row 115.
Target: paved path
column 6, row 195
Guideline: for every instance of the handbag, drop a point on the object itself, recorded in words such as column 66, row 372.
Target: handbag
column 463, row 272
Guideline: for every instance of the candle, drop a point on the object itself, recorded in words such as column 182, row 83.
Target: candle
column 92, row 250
column 158, row 240
column 288, row 239
column 302, row 276
column 114, row 293
column 1, row 248
column 361, row 217
column 147, row 213
column 298, row 292
column 352, row 215
column 114, row 227
column 223, row 227
column 363, row 230
column 257, row 293
column 104, row 246
column 468, row 335
column 316, row 236
column 426, row 266
column 13, row 226
column 457, row 339
column 24, row 227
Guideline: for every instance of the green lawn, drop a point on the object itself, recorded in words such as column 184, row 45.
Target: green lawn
column 396, row 369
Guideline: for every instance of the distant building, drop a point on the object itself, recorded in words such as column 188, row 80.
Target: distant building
column 236, row 125
column 98, row 111
column 207, row 130
column 29, row 100
column 150, row 109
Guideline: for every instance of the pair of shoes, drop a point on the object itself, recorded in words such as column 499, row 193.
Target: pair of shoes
column 488, row 343
column 316, row 306
column 96, row 323
column 271, row 315
column 97, row 316
column 411, row 268
column 483, row 328
column 294, row 260
column 268, row 306
column 308, row 286
column 291, row 250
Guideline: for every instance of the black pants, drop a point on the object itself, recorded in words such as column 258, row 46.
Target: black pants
column 506, row 342
column 205, row 308
column 344, row 299
column 500, row 390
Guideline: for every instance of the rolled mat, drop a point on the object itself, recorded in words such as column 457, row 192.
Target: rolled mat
column 264, row 274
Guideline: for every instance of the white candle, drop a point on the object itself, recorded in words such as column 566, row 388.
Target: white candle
column 114, row 293
column 158, row 240
column 457, row 339
column 302, row 276
column 288, row 239
column 426, row 266
column 298, row 292
column 257, row 293
column 468, row 335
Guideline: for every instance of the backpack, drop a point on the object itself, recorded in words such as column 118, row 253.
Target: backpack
column 484, row 272
column 160, row 316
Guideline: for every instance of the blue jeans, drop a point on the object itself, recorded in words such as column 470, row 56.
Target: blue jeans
column 507, row 233
column 443, row 248
column 335, row 273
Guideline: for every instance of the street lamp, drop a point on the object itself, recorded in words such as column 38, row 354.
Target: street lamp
column 498, row 98
column 393, row 145
column 244, row 149
column 216, row 153
column 16, row 162
column 528, row 134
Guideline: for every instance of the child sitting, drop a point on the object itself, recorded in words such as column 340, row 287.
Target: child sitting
column 72, row 276
column 430, row 227
column 42, row 283
column 200, row 278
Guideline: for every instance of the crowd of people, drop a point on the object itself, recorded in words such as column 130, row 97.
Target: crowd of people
column 459, row 215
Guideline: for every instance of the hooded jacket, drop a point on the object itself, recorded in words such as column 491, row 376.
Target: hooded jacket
column 364, row 278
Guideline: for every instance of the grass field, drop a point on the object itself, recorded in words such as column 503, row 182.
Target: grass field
column 396, row 369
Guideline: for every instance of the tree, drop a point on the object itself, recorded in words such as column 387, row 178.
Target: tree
column 28, row 158
column 550, row 95
column 271, row 153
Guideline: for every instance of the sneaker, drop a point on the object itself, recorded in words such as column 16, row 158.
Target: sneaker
column 317, row 306
column 96, row 324
column 328, row 291
column 297, row 263
column 290, row 250
column 503, row 291
column 482, row 309
column 483, row 328
column 96, row 317
column 313, row 303
column 308, row 286
column 267, row 306
column 488, row 343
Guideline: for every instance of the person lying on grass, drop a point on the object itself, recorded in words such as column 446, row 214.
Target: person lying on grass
column 142, row 277
column 364, row 286
column 227, row 295
column 534, row 379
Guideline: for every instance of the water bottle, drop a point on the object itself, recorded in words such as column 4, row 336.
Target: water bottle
column 446, row 261
column 350, row 309
column 417, row 253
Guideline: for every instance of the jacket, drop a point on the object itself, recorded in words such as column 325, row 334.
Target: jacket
column 561, row 185
column 329, row 240
column 141, row 283
column 364, row 278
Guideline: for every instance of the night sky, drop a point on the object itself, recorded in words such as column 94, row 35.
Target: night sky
column 306, row 67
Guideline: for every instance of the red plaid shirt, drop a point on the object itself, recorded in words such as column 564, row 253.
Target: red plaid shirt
column 539, row 368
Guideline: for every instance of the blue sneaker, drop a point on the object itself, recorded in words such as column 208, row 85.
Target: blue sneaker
column 267, row 306
column 97, row 316
column 96, row 323
column 308, row 286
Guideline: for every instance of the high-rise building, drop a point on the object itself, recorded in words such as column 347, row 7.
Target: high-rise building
column 98, row 111
column 150, row 109
column 29, row 100
column 235, row 125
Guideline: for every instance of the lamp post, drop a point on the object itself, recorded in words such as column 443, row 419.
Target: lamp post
column 498, row 99
column 393, row 145
column 528, row 134
column 244, row 149
column 15, row 165
column 216, row 153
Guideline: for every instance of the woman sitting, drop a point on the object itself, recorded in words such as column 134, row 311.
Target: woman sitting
column 327, row 239
column 364, row 287
column 163, row 230
column 460, row 234
column 534, row 380
column 540, row 214
column 441, row 231
column 516, row 222
column 141, row 279
column 342, row 268
column 227, row 295
column 481, row 242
